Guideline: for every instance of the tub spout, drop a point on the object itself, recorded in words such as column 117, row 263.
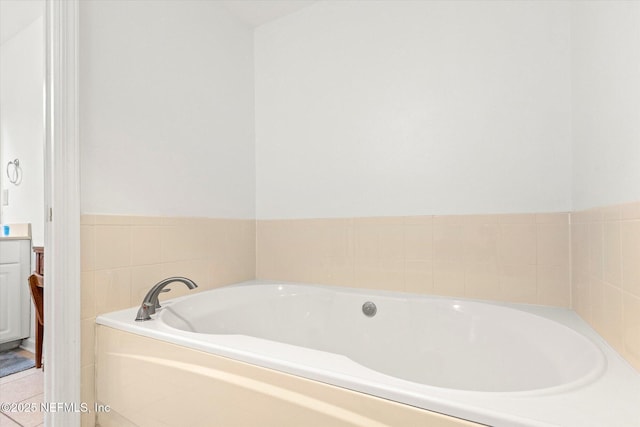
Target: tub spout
column 150, row 303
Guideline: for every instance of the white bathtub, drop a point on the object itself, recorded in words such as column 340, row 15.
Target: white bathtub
column 497, row 364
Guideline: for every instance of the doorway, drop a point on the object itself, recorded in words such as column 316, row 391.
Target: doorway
column 61, row 209
column 22, row 200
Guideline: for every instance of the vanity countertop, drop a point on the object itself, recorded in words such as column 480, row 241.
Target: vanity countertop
column 16, row 232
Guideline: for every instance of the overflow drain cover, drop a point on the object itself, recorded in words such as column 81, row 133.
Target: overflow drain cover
column 369, row 309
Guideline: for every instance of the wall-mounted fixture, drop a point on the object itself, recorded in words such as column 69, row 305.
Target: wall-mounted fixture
column 14, row 172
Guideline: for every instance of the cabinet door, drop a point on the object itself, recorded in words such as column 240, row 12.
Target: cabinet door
column 10, row 302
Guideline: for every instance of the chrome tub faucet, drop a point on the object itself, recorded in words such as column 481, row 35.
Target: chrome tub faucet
column 151, row 303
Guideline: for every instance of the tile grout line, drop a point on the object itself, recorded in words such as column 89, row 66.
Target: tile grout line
column 22, row 401
column 12, row 420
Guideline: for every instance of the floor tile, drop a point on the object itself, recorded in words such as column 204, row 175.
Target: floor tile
column 29, row 418
column 22, row 387
column 7, row 422
column 18, row 375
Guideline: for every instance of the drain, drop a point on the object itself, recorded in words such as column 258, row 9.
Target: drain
column 369, row 309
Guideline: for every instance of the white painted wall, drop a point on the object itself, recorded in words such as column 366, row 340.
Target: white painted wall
column 22, row 126
column 362, row 108
column 606, row 102
column 399, row 108
column 166, row 109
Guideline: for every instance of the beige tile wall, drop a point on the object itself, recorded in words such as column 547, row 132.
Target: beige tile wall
column 518, row 258
column 123, row 256
column 606, row 274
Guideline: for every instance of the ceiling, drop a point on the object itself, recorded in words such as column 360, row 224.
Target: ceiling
column 15, row 15
column 258, row 12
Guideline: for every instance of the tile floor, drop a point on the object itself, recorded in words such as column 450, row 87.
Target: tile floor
column 23, row 387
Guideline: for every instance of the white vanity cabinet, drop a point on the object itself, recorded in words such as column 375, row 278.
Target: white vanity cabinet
column 15, row 298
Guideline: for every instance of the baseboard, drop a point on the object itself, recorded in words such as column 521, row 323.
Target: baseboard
column 29, row 345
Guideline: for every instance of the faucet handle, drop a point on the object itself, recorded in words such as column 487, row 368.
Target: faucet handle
column 143, row 312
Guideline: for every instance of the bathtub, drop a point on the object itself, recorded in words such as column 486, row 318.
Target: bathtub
column 465, row 361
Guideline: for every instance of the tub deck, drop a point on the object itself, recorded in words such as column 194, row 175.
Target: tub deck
column 618, row 385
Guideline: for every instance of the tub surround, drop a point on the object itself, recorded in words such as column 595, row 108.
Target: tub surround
column 508, row 257
column 250, row 334
column 122, row 257
column 514, row 258
column 605, row 245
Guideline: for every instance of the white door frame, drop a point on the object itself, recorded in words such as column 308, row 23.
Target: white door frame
column 62, row 225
